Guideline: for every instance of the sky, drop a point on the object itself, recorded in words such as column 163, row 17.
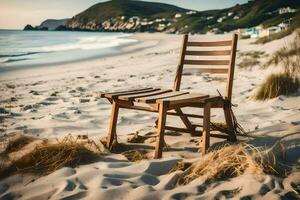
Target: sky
column 15, row 14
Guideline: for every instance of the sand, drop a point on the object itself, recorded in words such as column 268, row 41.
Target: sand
column 54, row 101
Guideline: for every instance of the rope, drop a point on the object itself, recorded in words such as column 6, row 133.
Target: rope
column 237, row 127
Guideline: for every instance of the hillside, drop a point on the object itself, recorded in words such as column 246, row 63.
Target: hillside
column 139, row 16
column 118, row 11
column 246, row 15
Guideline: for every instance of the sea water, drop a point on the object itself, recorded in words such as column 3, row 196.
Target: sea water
column 21, row 49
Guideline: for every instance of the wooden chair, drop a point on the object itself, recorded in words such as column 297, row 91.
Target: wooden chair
column 164, row 101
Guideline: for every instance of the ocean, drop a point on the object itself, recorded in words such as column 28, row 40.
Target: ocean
column 21, row 49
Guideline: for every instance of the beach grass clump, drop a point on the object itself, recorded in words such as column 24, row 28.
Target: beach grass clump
column 276, row 85
column 248, row 63
column 228, row 162
column 16, row 143
column 49, row 157
column 286, row 82
column 253, row 54
column 136, row 155
column 250, row 59
column 288, row 57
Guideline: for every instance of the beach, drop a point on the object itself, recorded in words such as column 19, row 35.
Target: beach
column 58, row 100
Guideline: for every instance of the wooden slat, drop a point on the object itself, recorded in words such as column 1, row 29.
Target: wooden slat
column 206, row 62
column 117, row 94
column 152, row 99
column 208, row 53
column 211, row 70
column 131, row 97
column 102, row 94
column 210, row 44
column 176, row 129
column 183, row 98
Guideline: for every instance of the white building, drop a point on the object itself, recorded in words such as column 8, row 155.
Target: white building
column 286, row 10
column 191, row 12
column 229, row 14
column 221, row 19
column 209, row 17
column 178, row 15
column 236, row 17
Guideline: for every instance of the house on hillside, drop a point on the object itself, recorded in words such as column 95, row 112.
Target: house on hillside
column 221, row 19
column 286, row 10
column 178, row 15
column 191, row 12
column 259, row 31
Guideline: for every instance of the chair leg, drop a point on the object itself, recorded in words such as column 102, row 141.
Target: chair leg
column 229, row 124
column 186, row 121
column 112, row 124
column 206, row 128
column 160, row 130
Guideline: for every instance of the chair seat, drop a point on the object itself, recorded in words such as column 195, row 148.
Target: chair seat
column 158, row 95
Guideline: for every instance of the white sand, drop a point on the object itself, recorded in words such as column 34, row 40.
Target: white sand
column 60, row 100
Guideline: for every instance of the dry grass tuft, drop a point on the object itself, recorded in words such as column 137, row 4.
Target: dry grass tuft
column 182, row 166
column 276, row 85
column 17, row 143
column 136, row 138
column 288, row 57
column 136, row 155
column 46, row 158
column 250, row 59
column 287, row 82
column 228, row 162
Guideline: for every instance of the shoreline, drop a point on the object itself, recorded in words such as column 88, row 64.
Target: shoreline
column 36, row 68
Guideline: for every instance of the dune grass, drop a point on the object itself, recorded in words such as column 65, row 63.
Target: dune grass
column 250, row 59
column 48, row 157
column 272, row 37
column 229, row 161
column 17, row 143
column 248, row 63
column 276, row 85
column 286, row 82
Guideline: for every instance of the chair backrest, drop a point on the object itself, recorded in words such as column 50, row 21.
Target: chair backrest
column 211, row 65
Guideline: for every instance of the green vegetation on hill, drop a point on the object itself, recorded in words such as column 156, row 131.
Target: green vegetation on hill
column 127, row 8
column 140, row 16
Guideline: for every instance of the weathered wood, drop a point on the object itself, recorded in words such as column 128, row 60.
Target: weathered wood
column 112, row 124
column 176, row 129
column 162, row 101
column 209, row 53
column 115, row 95
column 160, row 130
column 152, row 99
column 229, row 124
column 177, row 81
column 185, row 119
column 144, row 94
column 231, row 67
column 105, row 94
column 211, row 70
column 206, row 62
column 210, row 44
column 183, row 98
column 206, row 129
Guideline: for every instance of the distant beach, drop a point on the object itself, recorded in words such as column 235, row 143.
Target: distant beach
column 26, row 49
